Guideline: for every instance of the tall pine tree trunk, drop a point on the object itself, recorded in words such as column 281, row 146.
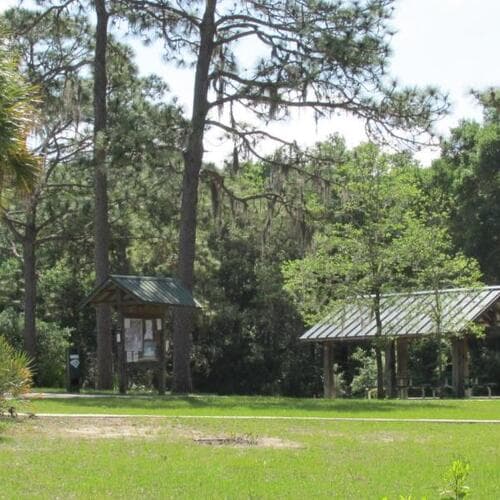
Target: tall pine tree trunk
column 101, row 224
column 193, row 157
column 29, row 273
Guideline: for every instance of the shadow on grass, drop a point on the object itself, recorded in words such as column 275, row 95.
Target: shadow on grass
column 232, row 405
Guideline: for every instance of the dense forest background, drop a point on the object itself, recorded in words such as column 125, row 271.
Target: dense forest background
column 277, row 237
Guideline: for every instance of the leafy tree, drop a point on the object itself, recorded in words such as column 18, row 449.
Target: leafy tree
column 35, row 220
column 247, row 342
column 467, row 173
column 434, row 266
column 328, row 57
column 379, row 242
column 356, row 253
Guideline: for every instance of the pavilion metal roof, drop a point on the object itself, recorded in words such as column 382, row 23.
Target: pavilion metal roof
column 146, row 290
column 405, row 314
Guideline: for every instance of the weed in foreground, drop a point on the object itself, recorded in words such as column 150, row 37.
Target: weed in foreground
column 455, row 478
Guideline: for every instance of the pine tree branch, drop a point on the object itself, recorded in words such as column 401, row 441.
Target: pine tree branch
column 11, row 224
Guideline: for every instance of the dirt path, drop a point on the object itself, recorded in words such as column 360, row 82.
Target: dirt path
column 272, row 417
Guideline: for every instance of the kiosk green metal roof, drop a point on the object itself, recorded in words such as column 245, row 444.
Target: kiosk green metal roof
column 408, row 314
column 144, row 290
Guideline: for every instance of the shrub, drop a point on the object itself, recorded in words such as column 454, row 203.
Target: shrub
column 366, row 375
column 52, row 344
column 15, row 373
column 11, row 326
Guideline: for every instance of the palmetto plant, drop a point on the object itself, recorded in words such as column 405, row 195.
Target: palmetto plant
column 15, row 373
column 18, row 167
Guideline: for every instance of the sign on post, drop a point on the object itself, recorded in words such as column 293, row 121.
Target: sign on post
column 73, row 370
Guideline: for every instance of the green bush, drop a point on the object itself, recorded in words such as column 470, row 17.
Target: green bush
column 15, row 373
column 51, row 363
column 11, row 326
column 52, row 342
column 366, row 375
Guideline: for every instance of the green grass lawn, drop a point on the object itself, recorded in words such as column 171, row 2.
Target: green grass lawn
column 269, row 406
column 62, row 457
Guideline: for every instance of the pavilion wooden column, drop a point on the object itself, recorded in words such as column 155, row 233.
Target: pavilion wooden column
column 460, row 365
column 328, row 375
column 162, row 369
column 390, row 370
column 402, row 366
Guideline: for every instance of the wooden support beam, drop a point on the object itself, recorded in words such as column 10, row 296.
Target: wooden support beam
column 328, row 376
column 122, row 355
column 162, row 369
column 460, row 365
column 402, row 366
column 390, row 370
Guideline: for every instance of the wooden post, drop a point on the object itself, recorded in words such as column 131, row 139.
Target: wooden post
column 122, row 355
column 460, row 365
column 402, row 366
column 162, row 357
column 328, row 377
column 467, row 389
column 390, row 369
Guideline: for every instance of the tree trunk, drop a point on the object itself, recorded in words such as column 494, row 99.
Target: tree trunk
column 193, row 157
column 29, row 272
column 101, row 224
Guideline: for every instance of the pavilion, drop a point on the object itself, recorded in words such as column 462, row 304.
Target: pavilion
column 405, row 316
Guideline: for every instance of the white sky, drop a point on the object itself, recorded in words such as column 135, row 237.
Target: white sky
column 452, row 44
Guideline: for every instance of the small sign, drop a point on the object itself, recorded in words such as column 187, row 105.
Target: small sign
column 73, row 370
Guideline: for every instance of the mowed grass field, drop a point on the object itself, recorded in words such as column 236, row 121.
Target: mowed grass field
column 176, row 457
